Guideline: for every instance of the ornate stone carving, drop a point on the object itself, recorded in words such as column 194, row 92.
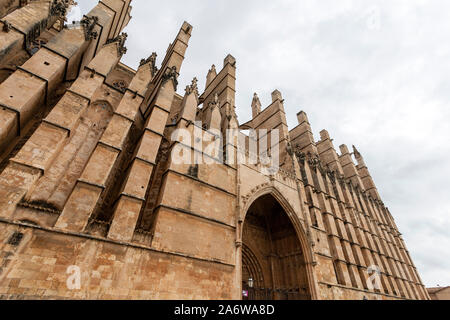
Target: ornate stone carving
column 331, row 175
column 228, row 112
column 6, row 26
column 313, row 161
column 247, row 197
column 174, row 120
column 341, row 180
column 59, row 8
column 171, row 74
column 120, row 40
column 215, row 102
column 120, row 85
column 88, row 24
column 42, row 206
column 301, row 156
column 256, row 105
column 152, row 61
column 289, row 149
column 193, row 171
column 193, row 88
column 356, row 153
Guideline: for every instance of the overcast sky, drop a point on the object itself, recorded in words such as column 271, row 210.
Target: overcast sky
column 373, row 73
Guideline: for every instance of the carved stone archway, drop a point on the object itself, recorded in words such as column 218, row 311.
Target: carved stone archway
column 276, row 235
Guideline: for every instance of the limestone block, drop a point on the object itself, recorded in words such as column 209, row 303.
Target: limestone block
column 105, row 18
column 336, row 248
column 100, row 165
column 118, row 7
column 26, row 18
column 180, row 48
column 87, row 84
column 117, row 132
column 129, row 106
column 165, row 96
column 149, row 146
column 42, row 147
column 158, row 120
column 138, row 179
column 68, row 110
column 10, row 43
column 79, row 208
column 325, row 270
column 198, row 198
column 71, row 44
column 47, row 65
column 22, row 92
column 105, row 60
column 125, row 219
column 216, row 175
column 179, row 232
column 8, row 126
column 321, row 241
column 142, row 79
column 15, row 181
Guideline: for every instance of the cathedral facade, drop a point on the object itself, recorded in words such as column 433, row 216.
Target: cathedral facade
column 96, row 204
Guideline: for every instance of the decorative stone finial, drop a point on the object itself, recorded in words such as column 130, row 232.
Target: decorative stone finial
column 171, row 74
column 344, row 149
column 120, row 40
column 356, row 152
column 215, row 102
column 59, row 7
column 193, row 88
column 256, row 105
column 359, row 158
column 88, row 24
column 229, row 59
column 152, row 61
column 276, row 95
column 324, row 135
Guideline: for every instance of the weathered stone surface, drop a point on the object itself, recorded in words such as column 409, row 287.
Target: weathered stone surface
column 95, row 186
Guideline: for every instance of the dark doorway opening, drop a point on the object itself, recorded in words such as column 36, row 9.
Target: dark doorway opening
column 273, row 262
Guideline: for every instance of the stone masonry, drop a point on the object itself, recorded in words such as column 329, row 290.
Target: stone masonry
column 89, row 180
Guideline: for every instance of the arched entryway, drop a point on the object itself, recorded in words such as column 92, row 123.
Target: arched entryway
column 273, row 261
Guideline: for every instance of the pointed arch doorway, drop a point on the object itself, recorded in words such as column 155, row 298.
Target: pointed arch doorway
column 273, row 261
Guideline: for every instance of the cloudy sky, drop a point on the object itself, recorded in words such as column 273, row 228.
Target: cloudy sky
column 375, row 74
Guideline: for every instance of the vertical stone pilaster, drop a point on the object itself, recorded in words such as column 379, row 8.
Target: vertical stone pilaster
column 44, row 145
column 328, row 154
column 35, row 81
column 350, row 171
column 256, row 106
column 302, row 135
column 220, row 92
column 133, row 195
column 103, row 161
column 22, row 26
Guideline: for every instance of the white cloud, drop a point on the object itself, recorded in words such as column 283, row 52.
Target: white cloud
column 375, row 75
